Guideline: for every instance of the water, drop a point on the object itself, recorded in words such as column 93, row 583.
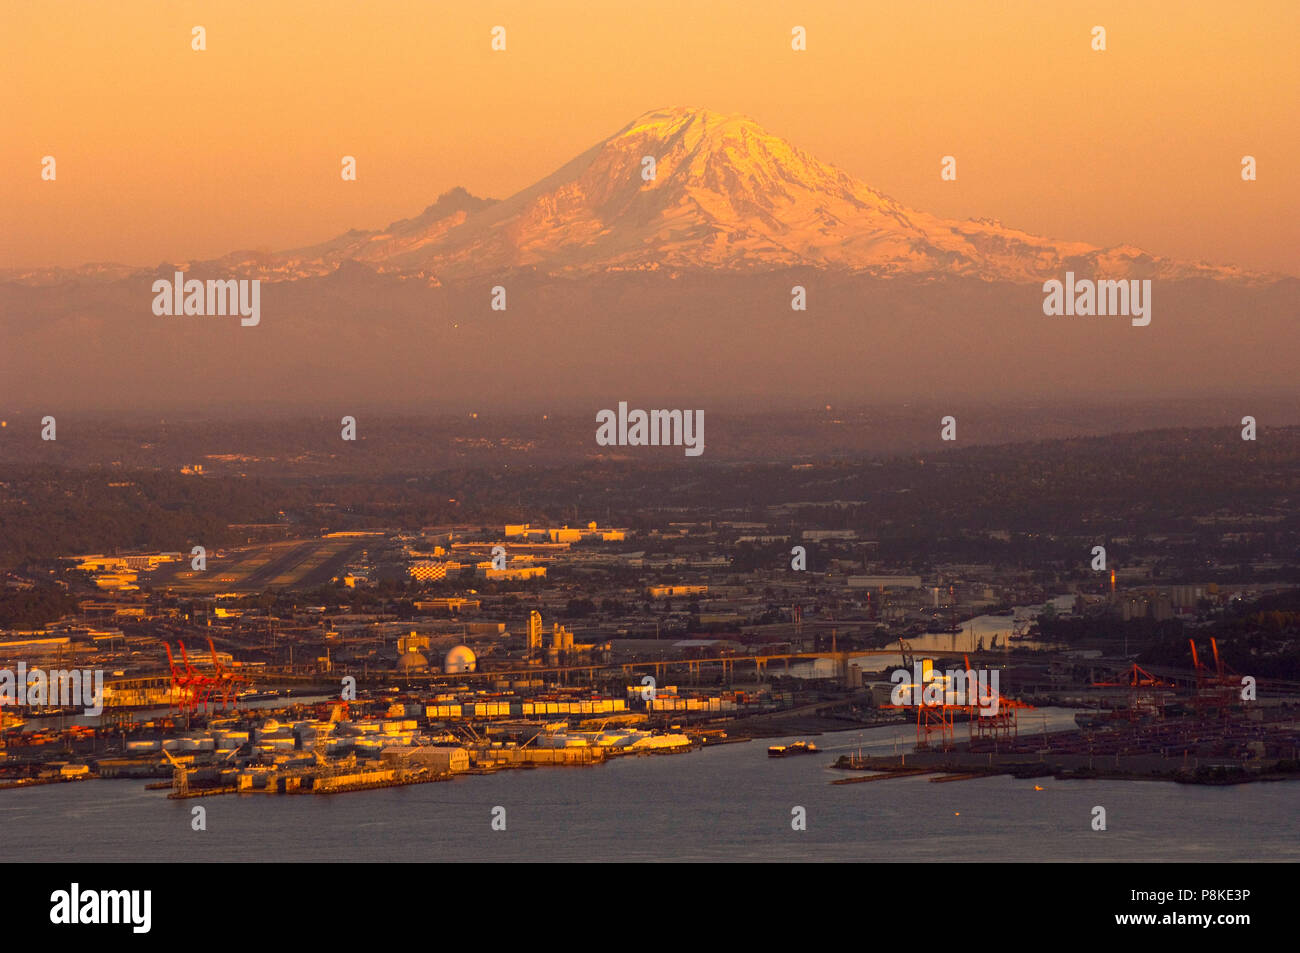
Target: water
column 725, row 803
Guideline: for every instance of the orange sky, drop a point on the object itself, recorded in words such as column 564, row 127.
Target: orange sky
column 165, row 153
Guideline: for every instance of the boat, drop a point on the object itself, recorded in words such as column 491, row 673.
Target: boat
column 797, row 747
column 263, row 696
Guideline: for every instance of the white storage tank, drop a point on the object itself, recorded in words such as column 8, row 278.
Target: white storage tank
column 459, row 660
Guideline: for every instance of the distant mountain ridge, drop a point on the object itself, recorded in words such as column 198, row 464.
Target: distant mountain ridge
column 726, row 196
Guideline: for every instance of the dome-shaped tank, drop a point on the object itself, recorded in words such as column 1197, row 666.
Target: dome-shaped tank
column 460, row 659
column 413, row 661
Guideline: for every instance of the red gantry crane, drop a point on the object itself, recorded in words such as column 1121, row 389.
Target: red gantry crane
column 182, row 684
column 1214, row 692
column 994, row 717
column 203, row 684
column 227, row 681
column 934, row 721
column 1147, row 694
column 190, row 688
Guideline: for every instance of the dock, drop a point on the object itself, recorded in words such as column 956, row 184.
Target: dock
column 199, row 792
column 886, row 775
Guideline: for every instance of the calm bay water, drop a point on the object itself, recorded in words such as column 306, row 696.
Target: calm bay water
column 724, row 803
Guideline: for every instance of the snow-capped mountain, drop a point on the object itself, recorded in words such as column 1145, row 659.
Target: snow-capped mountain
column 726, row 195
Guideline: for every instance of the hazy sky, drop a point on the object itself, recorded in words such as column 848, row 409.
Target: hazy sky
column 166, row 153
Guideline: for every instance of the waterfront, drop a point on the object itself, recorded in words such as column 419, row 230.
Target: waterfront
column 720, row 803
